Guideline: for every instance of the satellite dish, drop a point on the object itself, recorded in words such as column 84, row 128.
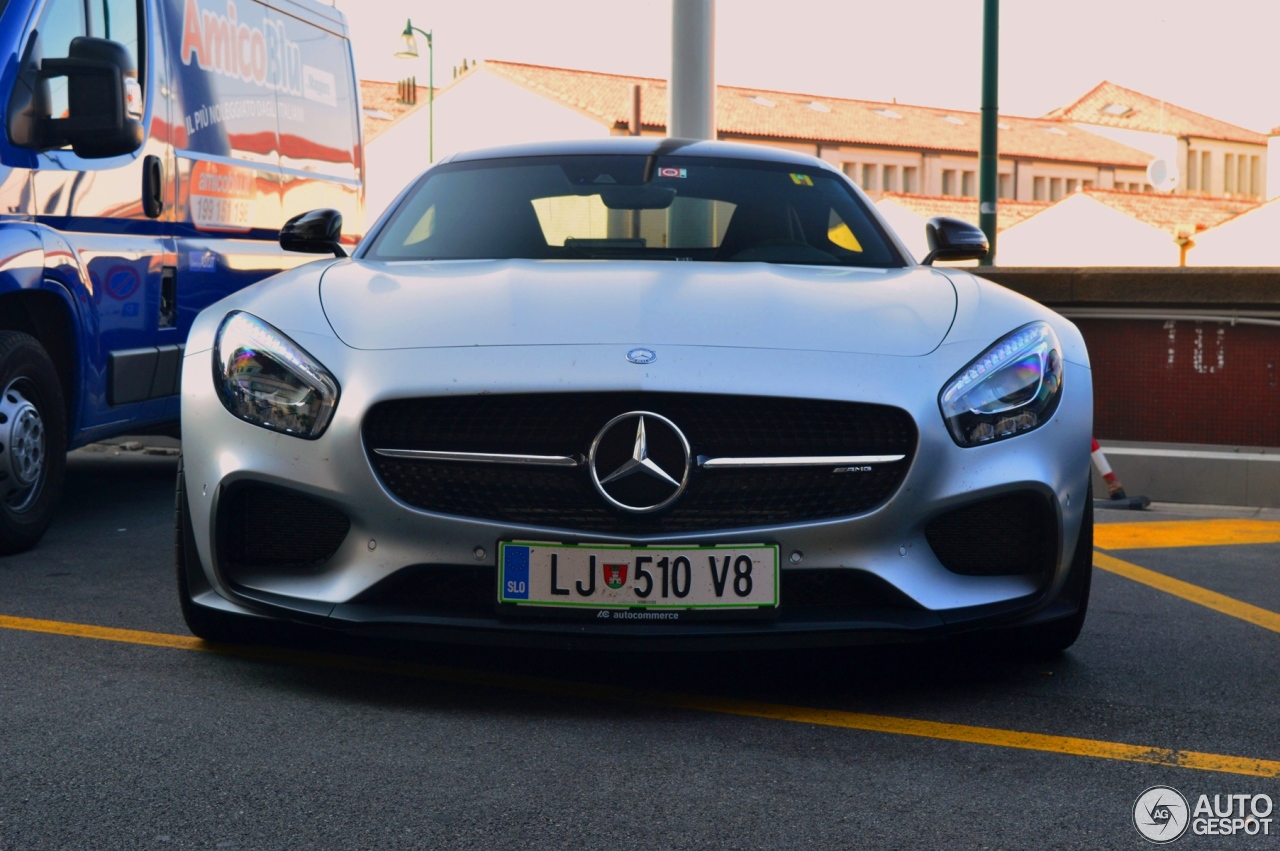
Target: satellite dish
column 1162, row 174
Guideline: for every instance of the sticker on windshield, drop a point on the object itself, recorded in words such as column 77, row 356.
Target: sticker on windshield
column 801, row 179
column 672, row 172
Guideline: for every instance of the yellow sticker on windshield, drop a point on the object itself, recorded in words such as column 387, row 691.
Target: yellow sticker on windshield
column 841, row 235
column 801, row 179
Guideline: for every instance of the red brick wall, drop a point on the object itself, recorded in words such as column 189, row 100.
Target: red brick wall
column 1184, row 381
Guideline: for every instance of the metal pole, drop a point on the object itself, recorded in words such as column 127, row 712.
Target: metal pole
column 431, row 99
column 988, row 157
column 691, row 96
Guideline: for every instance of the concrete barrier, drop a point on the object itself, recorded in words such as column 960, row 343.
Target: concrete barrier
column 1186, row 368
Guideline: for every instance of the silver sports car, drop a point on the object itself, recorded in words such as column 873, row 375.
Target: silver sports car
column 635, row 393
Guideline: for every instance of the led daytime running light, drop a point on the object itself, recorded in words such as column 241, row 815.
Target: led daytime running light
column 1011, row 388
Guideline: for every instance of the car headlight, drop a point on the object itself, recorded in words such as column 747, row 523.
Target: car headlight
column 1011, row 388
column 267, row 379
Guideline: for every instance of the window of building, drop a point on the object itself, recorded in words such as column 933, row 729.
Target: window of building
column 1004, row 186
column 1243, row 179
column 1255, row 183
column 869, row 175
column 1229, row 173
column 1072, row 185
column 1087, row 184
column 1193, row 171
column 1206, row 171
column 948, row 181
column 852, row 172
column 910, row 178
column 1038, row 189
column 1055, row 189
column 969, row 184
column 890, row 178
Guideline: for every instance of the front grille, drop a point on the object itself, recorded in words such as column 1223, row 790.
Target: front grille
column 566, row 424
column 261, row 525
column 1011, row 535
column 822, row 588
column 441, row 589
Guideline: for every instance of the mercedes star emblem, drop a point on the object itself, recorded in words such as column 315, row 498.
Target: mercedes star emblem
column 646, row 466
column 642, row 355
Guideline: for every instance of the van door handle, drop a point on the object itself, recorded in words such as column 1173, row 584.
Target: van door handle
column 152, row 186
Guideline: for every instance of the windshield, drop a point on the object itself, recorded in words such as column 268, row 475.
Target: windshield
column 634, row 207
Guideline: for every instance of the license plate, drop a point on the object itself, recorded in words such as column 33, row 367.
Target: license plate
column 602, row 576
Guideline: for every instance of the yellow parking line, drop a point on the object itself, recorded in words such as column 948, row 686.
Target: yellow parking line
column 1185, row 533
column 1210, row 599
column 995, row 737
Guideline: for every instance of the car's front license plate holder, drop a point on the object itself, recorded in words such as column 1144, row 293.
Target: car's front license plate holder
column 624, row 582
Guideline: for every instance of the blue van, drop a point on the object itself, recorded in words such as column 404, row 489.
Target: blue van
column 152, row 150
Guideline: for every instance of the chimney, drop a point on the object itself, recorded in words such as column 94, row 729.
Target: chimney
column 633, row 126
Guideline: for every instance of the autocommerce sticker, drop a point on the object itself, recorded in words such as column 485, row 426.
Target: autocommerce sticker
column 222, row 196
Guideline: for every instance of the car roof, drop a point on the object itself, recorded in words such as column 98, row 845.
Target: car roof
column 643, row 146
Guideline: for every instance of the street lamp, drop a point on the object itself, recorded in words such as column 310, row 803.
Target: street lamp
column 409, row 50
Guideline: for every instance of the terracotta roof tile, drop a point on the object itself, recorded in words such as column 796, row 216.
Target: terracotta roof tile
column 1008, row 212
column 1167, row 212
column 1149, row 114
column 815, row 118
column 380, row 97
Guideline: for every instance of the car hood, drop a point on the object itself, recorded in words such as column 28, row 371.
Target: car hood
column 529, row 302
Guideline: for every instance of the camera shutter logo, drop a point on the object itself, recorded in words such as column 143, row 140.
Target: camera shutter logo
column 1161, row 814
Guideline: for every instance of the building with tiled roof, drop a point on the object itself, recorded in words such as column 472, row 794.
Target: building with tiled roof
column 1009, row 213
column 1174, row 214
column 1212, row 157
column 383, row 104
column 884, row 147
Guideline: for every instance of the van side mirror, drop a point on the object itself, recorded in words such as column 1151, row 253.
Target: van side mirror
column 953, row 239
column 104, row 100
column 315, row 232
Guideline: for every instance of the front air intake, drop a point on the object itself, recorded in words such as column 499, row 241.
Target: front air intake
column 1010, row 535
column 267, row 526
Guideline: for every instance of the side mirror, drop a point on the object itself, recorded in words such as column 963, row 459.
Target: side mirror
column 104, row 100
column 316, row 232
column 953, row 239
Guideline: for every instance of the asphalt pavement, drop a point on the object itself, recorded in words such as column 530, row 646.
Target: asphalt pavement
column 120, row 730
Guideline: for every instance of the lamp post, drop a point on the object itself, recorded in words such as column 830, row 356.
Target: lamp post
column 409, row 50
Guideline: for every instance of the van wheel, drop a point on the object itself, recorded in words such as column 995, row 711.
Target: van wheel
column 33, row 441
column 209, row 624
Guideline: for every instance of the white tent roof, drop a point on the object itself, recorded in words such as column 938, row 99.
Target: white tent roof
column 1080, row 231
column 1250, row 239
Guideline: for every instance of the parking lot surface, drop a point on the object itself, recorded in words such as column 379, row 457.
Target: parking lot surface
column 120, row 730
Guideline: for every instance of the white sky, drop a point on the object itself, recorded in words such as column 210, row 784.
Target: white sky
column 1220, row 58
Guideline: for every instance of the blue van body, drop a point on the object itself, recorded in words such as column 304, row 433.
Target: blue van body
column 249, row 113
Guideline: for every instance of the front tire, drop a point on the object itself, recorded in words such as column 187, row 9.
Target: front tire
column 33, row 441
